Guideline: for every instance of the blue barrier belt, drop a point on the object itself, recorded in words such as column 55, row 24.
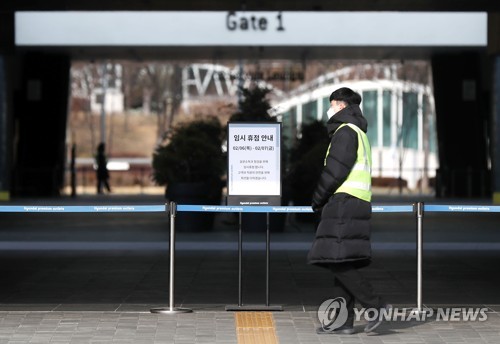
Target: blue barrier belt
column 180, row 208
column 81, row 209
column 392, row 208
column 454, row 208
column 232, row 209
column 278, row 209
column 244, row 209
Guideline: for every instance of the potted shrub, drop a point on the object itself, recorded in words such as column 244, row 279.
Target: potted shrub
column 307, row 158
column 191, row 165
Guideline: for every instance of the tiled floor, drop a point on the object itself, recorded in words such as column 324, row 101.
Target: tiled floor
column 219, row 327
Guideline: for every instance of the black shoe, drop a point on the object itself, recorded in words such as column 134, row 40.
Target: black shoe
column 372, row 325
column 341, row 330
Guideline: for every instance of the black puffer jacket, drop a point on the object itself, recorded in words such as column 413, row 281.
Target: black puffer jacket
column 344, row 231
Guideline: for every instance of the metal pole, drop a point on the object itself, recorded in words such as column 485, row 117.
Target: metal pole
column 239, row 306
column 420, row 214
column 173, row 210
column 171, row 309
column 240, row 258
column 267, row 259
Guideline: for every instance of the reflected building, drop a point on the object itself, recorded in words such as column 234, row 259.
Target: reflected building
column 399, row 107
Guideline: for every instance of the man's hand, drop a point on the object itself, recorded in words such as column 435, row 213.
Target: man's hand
column 316, row 208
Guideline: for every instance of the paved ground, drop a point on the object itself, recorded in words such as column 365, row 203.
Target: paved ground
column 90, row 278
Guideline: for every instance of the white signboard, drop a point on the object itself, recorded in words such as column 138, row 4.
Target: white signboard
column 254, row 163
column 217, row 28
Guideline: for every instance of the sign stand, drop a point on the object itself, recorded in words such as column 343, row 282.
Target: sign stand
column 254, row 178
column 240, row 306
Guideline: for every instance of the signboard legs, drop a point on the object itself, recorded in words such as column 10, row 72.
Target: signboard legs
column 240, row 306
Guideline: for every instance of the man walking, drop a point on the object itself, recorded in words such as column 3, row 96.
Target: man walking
column 343, row 196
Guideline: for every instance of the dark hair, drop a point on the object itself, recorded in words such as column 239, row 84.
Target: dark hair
column 347, row 95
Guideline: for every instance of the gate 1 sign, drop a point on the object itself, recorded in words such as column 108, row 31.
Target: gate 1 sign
column 254, row 163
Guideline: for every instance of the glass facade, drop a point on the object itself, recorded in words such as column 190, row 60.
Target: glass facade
column 309, row 112
column 369, row 105
column 410, row 120
column 326, row 106
column 408, row 132
column 386, row 118
column 289, row 128
column 431, row 125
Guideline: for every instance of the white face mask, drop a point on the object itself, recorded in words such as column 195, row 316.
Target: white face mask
column 330, row 112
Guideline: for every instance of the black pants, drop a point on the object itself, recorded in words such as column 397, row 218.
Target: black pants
column 350, row 284
column 102, row 182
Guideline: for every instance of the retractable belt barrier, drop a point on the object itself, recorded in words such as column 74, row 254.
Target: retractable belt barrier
column 82, row 208
column 418, row 209
column 454, row 208
column 279, row 209
column 462, row 208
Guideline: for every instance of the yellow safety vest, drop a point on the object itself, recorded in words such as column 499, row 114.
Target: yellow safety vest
column 359, row 181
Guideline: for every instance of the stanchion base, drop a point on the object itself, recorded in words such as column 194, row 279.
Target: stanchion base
column 250, row 308
column 169, row 310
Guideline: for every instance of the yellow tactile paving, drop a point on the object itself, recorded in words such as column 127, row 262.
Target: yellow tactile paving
column 255, row 328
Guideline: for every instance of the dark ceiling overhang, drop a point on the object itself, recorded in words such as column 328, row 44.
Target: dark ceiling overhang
column 251, row 5
column 215, row 54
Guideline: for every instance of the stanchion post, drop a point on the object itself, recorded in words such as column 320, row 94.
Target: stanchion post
column 172, row 210
column 419, row 256
column 420, row 217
